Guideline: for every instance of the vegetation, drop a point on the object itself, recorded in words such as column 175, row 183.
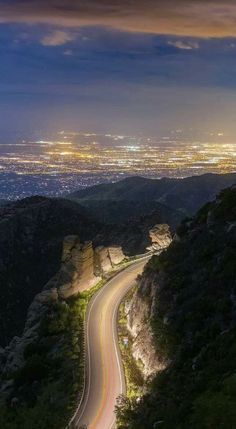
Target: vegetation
column 133, row 373
column 46, row 387
column 194, row 327
column 31, row 235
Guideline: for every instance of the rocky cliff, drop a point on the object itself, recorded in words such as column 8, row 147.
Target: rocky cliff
column 77, row 268
column 140, row 311
column 160, row 236
column 184, row 311
column 142, row 307
column 31, row 239
column 82, row 267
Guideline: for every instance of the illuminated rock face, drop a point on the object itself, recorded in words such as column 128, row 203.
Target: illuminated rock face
column 77, row 268
column 160, row 236
column 107, row 258
column 116, row 255
column 103, row 260
column 140, row 311
column 81, row 267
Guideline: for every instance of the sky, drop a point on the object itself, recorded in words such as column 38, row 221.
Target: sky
column 129, row 66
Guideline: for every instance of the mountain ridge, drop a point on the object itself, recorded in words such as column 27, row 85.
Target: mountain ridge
column 186, row 195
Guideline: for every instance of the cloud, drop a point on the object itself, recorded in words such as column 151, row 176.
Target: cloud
column 68, row 53
column 57, row 38
column 187, row 46
column 196, row 18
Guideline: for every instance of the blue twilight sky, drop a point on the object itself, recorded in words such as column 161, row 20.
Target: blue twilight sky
column 120, row 66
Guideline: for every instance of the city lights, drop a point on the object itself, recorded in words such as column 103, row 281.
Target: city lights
column 84, row 159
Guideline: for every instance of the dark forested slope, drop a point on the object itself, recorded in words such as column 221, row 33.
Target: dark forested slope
column 187, row 194
column 194, row 325
column 31, row 236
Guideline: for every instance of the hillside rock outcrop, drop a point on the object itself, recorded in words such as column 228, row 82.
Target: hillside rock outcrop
column 81, row 268
column 187, row 296
column 106, row 258
column 116, row 255
column 31, row 236
column 139, row 312
column 160, row 236
column 77, row 268
column 141, row 309
column 103, row 261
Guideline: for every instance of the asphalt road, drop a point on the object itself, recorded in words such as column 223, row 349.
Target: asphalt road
column 105, row 378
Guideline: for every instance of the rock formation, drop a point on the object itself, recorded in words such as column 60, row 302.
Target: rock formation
column 81, row 268
column 77, row 268
column 188, row 295
column 31, row 236
column 108, row 257
column 139, row 313
column 116, row 255
column 102, row 260
column 160, row 236
column 142, row 307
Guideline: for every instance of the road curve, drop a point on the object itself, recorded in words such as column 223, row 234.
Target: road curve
column 104, row 375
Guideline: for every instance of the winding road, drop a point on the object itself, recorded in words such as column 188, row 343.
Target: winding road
column 104, row 374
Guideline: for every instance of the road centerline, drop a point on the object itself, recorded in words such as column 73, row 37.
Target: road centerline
column 104, row 370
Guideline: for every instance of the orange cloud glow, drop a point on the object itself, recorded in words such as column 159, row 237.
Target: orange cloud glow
column 195, row 18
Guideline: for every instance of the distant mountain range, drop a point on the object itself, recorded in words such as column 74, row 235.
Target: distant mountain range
column 137, row 195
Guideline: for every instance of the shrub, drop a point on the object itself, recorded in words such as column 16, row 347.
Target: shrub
column 35, row 369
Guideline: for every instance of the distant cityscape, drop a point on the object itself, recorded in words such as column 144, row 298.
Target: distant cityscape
column 70, row 161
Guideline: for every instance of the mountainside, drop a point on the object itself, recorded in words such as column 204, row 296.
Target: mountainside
column 181, row 318
column 31, row 237
column 187, row 195
column 42, row 368
column 184, row 311
column 120, row 211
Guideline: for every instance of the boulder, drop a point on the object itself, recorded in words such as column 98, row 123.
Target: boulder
column 102, row 260
column 160, row 237
column 116, row 255
column 77, row 270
